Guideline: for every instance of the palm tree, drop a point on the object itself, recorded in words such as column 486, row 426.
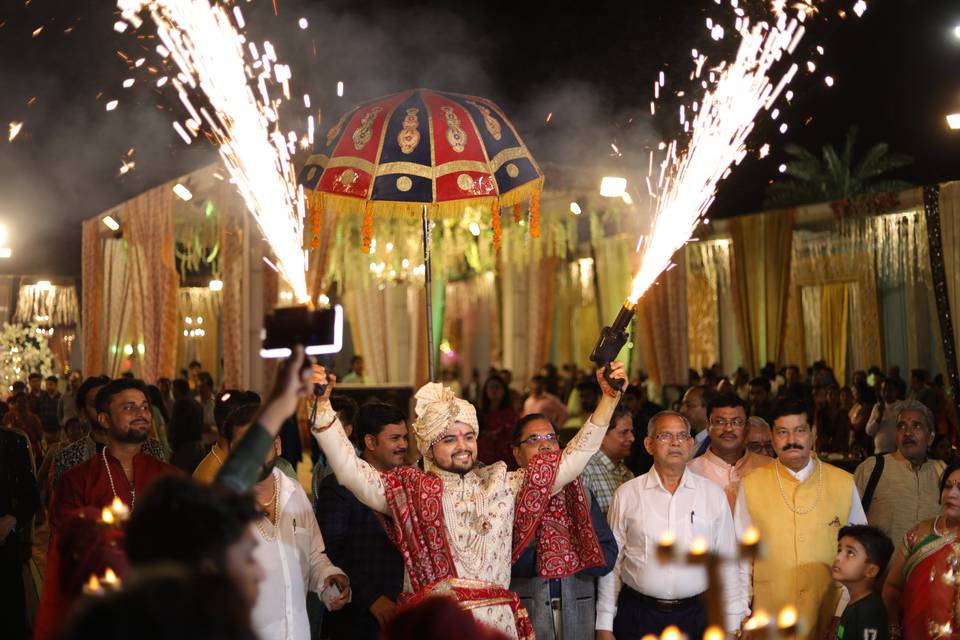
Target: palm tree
column 834, row 177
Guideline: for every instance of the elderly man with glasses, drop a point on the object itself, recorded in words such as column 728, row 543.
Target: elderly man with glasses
column 562, row 606
column 643, row 595
column 727, row 460
column 798, row 504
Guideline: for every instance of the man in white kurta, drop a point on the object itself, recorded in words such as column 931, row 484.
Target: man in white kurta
column 478, row 505
column 291, row 549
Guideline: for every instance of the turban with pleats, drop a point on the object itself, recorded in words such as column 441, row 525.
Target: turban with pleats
column 437, row 410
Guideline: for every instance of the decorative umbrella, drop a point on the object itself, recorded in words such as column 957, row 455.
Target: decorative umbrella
column 421, row 153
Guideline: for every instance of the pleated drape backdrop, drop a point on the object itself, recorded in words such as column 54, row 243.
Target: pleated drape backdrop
column 527, row 295
column 232, row 211
column 148, row 228
column 91, row 322
column 761, row 283
column 950, row 234
column 663, row 326
column 834, row 315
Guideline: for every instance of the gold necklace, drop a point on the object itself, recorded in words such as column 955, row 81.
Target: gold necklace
column 133, row 491
column 786, row 501
column 270, row 537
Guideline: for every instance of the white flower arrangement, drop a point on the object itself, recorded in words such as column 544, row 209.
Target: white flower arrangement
column 24, row 350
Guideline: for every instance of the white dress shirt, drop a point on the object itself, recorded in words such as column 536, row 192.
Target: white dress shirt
column 294, row 563
column 741, row 515
column 884, row 429
column 641, row 511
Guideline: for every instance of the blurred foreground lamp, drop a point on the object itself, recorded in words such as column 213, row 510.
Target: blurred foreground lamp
column 613, row 187
column 953, row 120
column 320, row 331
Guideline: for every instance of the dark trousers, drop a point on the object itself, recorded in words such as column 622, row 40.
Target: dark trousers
column 637, row 617
column 13, row 606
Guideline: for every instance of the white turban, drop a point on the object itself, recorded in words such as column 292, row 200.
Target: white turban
column 437, row 410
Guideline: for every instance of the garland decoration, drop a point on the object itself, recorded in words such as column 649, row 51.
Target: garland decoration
column 495, row 222
column 367, row 229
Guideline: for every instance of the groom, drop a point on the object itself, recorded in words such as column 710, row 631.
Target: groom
column 459, row 527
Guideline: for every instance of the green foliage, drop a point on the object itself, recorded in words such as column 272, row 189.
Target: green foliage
column 834, row 176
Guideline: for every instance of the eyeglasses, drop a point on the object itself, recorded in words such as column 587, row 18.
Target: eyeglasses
column 681, row 437
column 736, row 423
column 540, row 437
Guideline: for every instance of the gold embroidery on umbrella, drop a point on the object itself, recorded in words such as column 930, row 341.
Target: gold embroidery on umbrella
column 456, row 136
column 364, row 132
column 512, row 170
column 335, row 129
column 348, row 177
column 409, row 136
column 404, row 183
column 465, row 182
column 488, row 120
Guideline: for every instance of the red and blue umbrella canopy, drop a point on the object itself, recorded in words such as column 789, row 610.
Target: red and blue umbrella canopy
column 393, row 155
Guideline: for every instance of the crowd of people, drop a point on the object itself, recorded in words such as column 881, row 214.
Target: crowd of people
column 563, row 510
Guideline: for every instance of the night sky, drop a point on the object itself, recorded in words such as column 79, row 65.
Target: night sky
column 591, row 64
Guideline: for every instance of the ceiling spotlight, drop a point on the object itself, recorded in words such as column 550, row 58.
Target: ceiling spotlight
column 43, row 285
column 575, row 209
column 110, row 223
column 613, row 187
column 216, row 285
column 5, row 252
column 953, row 120
column 182, row 192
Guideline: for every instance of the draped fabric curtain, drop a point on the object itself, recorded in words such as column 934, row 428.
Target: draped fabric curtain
column 148, row 221
column 527, row 296
column 950, row 235
column 91, row 337
column 834, row 317
column 199, row 303
column 663, row 326
column 388, row 325
column 812, row 320
column 761, row 281
column 472, row 324
column 703, row 300
column 116, row 309
column 231, row 274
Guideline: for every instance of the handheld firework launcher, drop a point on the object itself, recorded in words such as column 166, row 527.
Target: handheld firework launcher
column 611, row 341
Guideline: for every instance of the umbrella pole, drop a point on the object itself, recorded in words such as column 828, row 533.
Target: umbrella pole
column 427, row 283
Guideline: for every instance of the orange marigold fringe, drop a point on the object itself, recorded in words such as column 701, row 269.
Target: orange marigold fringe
column 535, row 215
column 495, row 223
column 367, row 231
column 316, row 223
column 517, row 212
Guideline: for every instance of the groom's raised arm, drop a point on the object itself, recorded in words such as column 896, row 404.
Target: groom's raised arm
column 352, row 471
column 578, row 451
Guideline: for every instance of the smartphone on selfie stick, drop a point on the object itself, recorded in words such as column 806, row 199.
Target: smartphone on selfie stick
column 320, row 331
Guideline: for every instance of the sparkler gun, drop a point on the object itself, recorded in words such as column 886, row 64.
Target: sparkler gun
column 611, row 341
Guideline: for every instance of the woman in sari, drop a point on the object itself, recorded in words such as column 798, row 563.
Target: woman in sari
column 920, row 603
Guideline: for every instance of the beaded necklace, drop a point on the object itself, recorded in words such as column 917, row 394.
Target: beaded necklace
column 270, row 537
column 133, row 491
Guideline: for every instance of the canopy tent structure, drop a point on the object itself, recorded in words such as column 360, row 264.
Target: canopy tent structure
column 855, row 284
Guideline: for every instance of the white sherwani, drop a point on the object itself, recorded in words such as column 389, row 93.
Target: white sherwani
column 477, row 507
